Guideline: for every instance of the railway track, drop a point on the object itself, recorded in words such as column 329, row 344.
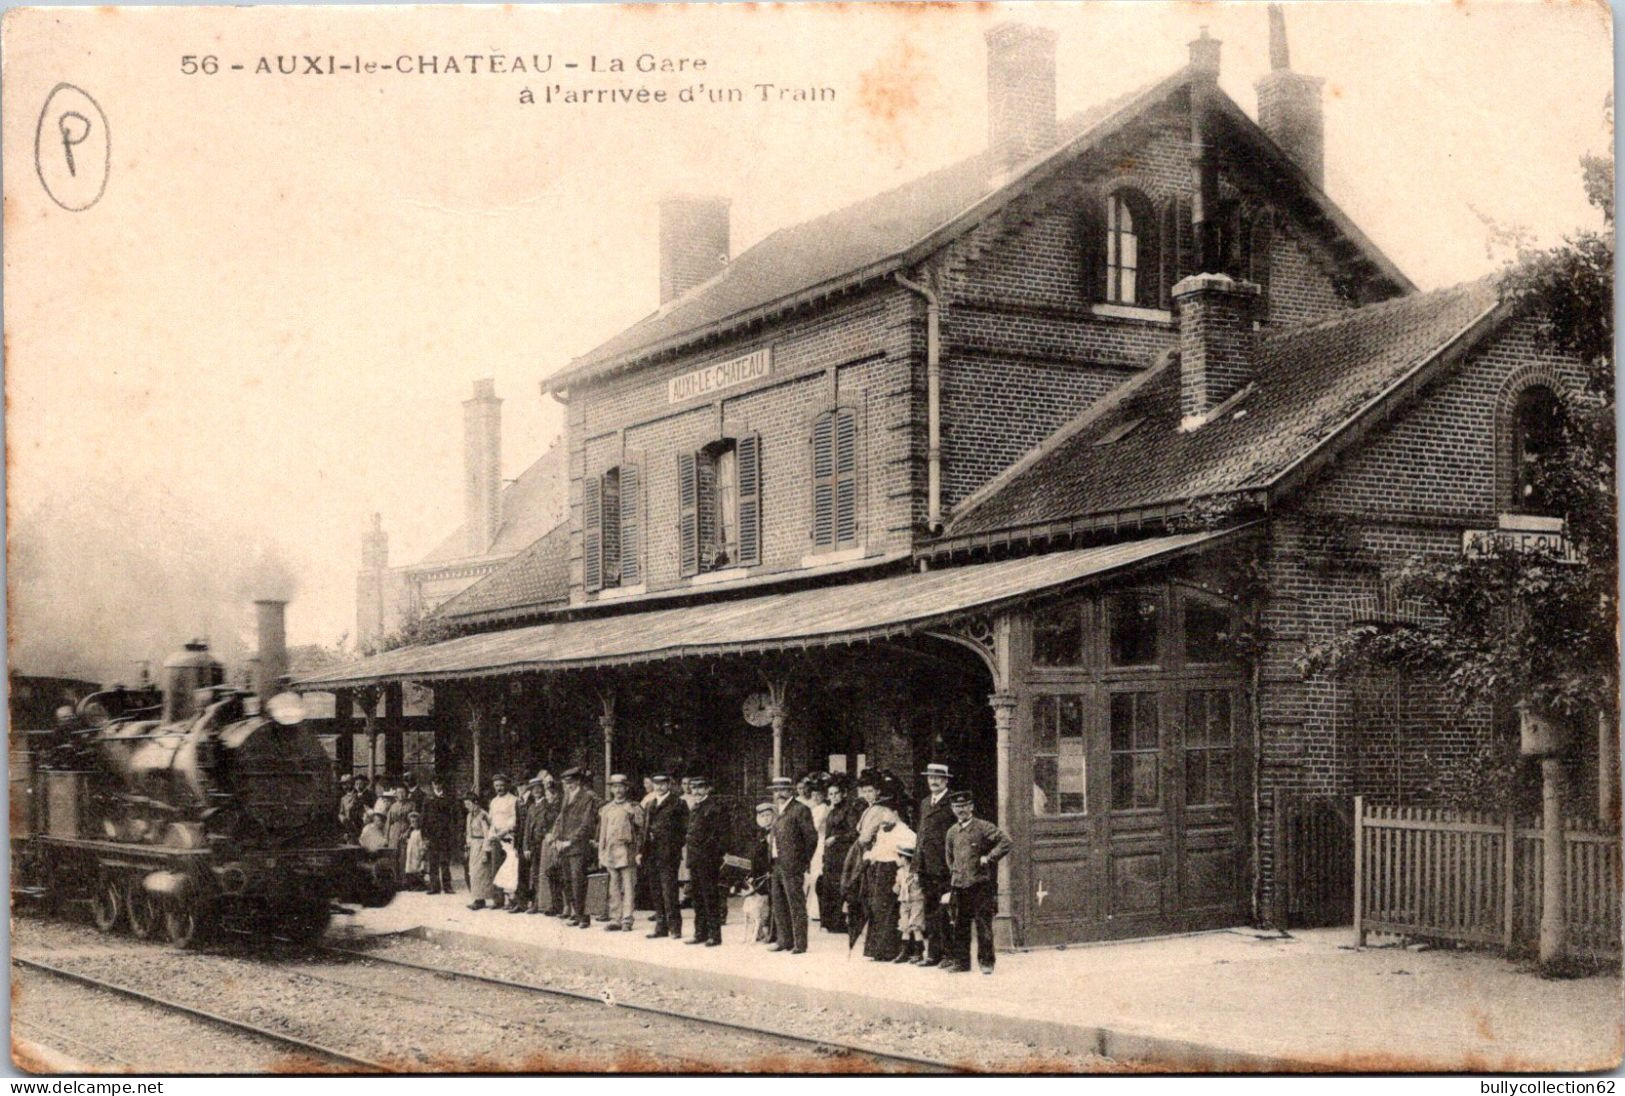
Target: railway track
column 315, row 1052
column 805, row 1047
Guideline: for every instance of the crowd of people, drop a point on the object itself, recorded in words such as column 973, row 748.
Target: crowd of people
column 918, row 885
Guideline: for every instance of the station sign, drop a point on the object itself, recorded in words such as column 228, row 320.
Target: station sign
column 708, row 379
column 1516, row 533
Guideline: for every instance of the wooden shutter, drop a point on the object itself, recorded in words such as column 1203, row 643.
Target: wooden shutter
column 1148, row 275
column 1168, row 257
column 1092, row 247
column 688, row 514
column 592, row 534
column 1185, row 240
column 823, row 477
column 846, row 476
column 1263, row 239
column 610, row 501
column 631, row 525
column 748, row 452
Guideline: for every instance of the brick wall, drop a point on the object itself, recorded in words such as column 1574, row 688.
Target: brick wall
column 1023, row 351
column 1409, row 489
column 859, row 352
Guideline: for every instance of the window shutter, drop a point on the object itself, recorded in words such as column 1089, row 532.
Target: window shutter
column 846, row 476
column 1092, row 233
column 688, row 514
column 1148, row 278
column 1168, row 257
column 610, row 526
column 1259, row 259
column 823, row 476
column 1185, row 259
column 748, row 450
column 631, row 525
column 592, row 530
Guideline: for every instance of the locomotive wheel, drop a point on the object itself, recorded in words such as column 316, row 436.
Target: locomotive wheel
column 307, row 925
column 106, row 903
column 141, row 910
column 183, row 923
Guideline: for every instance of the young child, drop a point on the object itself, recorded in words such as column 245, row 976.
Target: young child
column 910, row 907
column 758, row 923
column 417, row 855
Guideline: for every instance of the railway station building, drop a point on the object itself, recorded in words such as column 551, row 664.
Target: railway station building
column 1050, row 466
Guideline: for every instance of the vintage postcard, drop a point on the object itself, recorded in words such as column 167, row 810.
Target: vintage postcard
column 854, row 538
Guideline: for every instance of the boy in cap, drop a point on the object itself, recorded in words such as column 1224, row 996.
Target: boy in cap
column 620, row 834
column 758, row 915
column 975, row 845
column 910, row 906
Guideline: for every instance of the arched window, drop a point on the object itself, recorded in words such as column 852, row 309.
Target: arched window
column 1537, row 434
column 1123, row 260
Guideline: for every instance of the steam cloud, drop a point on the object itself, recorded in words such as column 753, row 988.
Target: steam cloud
column 102, row 578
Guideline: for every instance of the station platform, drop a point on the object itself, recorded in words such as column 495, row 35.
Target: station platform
column 1235, row 1000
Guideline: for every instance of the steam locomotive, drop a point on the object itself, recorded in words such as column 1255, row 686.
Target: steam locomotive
column 186, row 811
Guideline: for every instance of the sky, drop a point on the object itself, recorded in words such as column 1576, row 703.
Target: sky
column 262, row 331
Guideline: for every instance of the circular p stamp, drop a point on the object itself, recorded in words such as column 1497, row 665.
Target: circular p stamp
column 73, row 150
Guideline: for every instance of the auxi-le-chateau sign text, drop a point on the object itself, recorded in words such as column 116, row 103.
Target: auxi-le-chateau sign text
column 719, row 375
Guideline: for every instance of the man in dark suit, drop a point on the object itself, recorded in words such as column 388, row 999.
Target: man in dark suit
column 931, row 860
column 664, row 834
column 442, row 819
column 706, row 843
column 793, row 839
column 572, row 838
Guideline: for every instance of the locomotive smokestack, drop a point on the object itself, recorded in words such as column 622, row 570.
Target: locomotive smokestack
column 271, row 661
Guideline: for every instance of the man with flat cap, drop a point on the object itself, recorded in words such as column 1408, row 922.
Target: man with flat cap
column 572, row 838
column 667, row 827
column 975, row 846
column 792, row 839
column 706, row 844
column 931, row 862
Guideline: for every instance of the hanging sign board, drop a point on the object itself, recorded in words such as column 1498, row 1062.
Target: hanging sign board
column 1547, row 542
column 708, row 379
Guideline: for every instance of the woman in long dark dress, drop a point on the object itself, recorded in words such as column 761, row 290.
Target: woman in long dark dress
column 880, row 879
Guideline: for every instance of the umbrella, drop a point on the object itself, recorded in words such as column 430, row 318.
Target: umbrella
column 852, row 892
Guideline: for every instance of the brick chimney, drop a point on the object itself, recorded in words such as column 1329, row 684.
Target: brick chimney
column 1289, row 106
column 693, row 242
column 1020, row 94
column 1217, row 344
column 482, row 467
column 1205, row 54
column 375, row 546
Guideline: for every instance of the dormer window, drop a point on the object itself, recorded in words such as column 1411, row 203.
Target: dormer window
column 1121, row 253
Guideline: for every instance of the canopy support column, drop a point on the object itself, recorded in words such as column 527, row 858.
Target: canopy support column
column 606, row 727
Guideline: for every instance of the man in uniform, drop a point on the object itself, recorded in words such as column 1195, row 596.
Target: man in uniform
column 573, row 833
column 706, row 844
column 975, row 846
column 793, row 839
column 931, row 862
column 663, row 853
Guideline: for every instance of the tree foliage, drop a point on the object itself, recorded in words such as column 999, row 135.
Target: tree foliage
column 1513, row 624
column 416, row 629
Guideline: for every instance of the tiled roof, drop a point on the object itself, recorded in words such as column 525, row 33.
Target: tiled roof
column 536, row 578
column 1310, row 382
column 852, row 613
column 531, row 505
column 900, row 227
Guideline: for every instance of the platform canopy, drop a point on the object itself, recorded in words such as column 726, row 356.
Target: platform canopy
column 853, row 613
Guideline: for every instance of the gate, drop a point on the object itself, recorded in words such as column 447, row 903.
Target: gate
column 1314, row 861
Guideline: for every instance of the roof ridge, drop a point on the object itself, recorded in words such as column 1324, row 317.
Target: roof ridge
column 1365, row 311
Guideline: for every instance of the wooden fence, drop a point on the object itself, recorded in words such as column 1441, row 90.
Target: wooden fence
column 1442, row 874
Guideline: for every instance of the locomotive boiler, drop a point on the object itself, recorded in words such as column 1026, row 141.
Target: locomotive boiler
column 178, row 812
